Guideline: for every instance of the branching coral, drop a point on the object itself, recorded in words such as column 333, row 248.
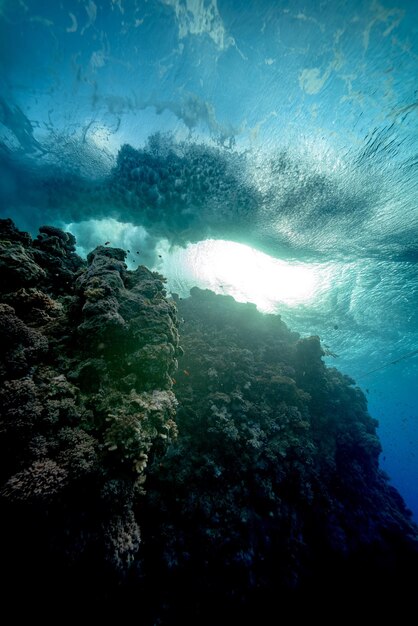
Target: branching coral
column 42, row 480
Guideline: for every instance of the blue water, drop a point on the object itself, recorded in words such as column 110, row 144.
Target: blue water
column 307, row 114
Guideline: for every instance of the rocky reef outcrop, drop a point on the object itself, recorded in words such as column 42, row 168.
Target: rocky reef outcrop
column 235, row 474
column 271, row 498
column 85, row 403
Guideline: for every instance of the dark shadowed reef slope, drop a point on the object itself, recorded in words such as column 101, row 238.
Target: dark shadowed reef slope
column 245, row 480
column 86, row 401
column 272, row 492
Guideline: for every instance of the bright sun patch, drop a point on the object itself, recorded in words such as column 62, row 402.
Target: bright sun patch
column 244, row 273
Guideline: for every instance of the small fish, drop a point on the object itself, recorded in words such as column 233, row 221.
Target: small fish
column 137, row 251
column 186, row 372
column 107, row 243
column 174, row 381
column 128, row 251
column 159, row 256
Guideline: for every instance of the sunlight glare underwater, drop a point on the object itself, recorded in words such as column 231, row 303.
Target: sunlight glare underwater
column 226, row 267
column 247, row 274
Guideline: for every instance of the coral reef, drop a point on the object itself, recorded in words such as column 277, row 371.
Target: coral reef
column 236, row 473
column 86, row 399
column 272, row 493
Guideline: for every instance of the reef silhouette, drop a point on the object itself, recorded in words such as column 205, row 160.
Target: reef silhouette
column 192, row 457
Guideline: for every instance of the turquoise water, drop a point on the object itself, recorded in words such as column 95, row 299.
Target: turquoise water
column 287, row 128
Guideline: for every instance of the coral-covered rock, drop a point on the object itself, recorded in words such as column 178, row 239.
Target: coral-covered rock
column 18, row 267
column 122, row 539
column 33, row 306
column 21, row 406
column 85, row 401
column 126, row 319
column 78, row 452
column 239, row 474
column 42, row 480
column 9, row 232
column 54, row 251
column 138, row 422
column 22, row 345
column 271, row 493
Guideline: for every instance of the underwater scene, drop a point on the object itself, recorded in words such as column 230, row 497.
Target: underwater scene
column 209, row 306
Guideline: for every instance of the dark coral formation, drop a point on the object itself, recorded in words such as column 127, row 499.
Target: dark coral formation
column 272, row 492
column 85, row 400
column 239, row 475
